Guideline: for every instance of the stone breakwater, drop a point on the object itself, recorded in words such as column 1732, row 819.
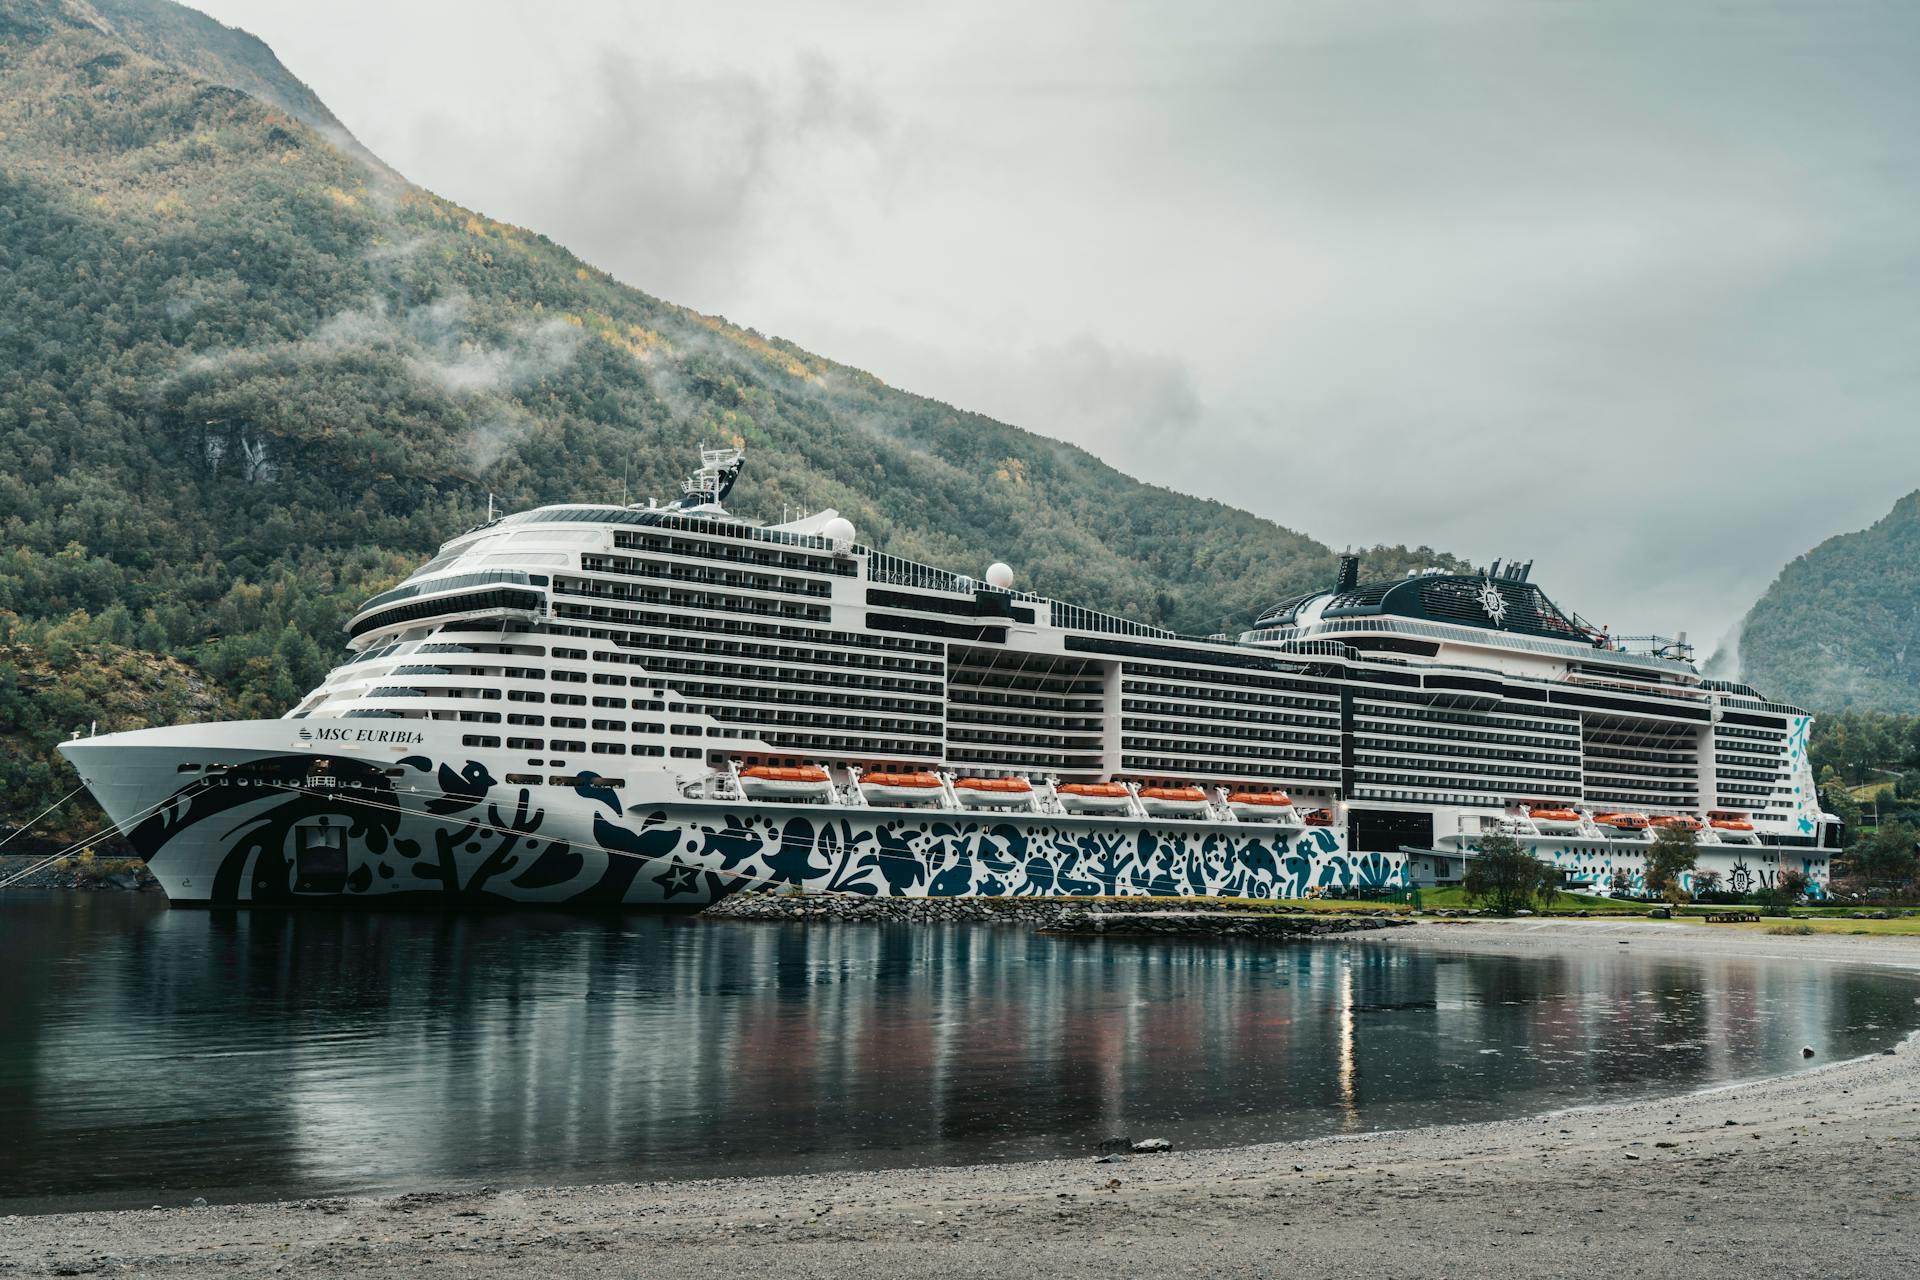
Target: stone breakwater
column 1105, row 916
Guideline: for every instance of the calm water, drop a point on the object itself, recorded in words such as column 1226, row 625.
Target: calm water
column 149, row 1055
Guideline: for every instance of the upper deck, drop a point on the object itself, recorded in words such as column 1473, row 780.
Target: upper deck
column 796, row 642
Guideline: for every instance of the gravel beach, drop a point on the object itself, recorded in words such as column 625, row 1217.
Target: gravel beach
column 1818, row 1171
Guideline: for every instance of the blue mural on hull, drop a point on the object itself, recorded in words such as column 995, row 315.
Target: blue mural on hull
column 440, row 835
column 952, row 855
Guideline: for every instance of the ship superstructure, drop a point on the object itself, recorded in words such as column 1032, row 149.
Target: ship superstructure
column 663, row 704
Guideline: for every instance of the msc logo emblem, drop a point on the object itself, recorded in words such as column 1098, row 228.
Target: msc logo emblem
column 1492, row 603
column 306, row 734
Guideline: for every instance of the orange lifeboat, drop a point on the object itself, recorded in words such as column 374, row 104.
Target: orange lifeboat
column 774, row 782
column 1554, row 818
column 1318, row 817
column 1678, row 822
column 1093, row 797
column 994, row 793
column 881, row 787
column 1732, row 824
column 1260, row 806
column 1174, row 802
column 1622, row 821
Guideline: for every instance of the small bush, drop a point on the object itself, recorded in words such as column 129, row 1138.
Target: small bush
column 1790, row 930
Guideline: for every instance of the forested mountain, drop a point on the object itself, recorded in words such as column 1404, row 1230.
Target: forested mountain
column 1840, row 626
column 249, row 376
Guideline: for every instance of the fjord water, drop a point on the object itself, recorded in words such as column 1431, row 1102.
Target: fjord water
column 150, row 1055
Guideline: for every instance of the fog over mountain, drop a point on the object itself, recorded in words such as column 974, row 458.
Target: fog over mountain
column 1627, row 288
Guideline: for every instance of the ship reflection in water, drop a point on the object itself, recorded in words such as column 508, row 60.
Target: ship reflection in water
column 149, row 1055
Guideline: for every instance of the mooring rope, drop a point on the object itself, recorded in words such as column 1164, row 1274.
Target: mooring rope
column 28, row 824
column 80, row 846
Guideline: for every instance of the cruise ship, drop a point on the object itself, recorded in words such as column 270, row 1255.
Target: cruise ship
column 663, row 704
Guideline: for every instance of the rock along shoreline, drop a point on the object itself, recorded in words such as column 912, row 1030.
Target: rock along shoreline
column 123, row 875
column 1106, row 917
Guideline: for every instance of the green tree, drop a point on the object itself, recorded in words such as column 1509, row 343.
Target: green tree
column 1671, row 855
column 1885, row 859
column 1839, row 801
column 1508, row 878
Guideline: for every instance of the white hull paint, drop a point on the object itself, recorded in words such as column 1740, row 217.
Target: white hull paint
column 422, row 830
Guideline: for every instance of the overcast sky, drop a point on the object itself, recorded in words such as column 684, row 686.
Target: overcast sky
column 1629, row 288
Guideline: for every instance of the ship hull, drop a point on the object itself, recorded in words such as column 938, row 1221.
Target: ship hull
column 406, row 826
column 1590, row 864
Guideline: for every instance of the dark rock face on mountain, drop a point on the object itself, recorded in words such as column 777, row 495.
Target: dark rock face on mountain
column 1840, row 626
column 249, row 376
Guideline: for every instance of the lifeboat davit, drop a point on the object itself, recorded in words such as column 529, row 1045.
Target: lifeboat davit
column 1622, row 821
column 1174, row 802
column 1093, row 797
column 1678, row 822
column 1318, row 817
column 772, row 782
column 1548, row 818
column 900, row 788
column 1260, row 806
column 994, row 793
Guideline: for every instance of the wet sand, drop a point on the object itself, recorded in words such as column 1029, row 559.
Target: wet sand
column 1813, row 1172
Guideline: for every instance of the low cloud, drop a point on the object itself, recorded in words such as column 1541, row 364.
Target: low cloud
column 494, row 436
column 449, row 357
column 441, row 347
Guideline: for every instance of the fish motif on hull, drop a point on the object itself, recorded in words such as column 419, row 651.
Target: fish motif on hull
column 432, row 834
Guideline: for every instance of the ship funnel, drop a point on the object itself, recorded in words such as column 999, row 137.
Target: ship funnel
column 1349, row 573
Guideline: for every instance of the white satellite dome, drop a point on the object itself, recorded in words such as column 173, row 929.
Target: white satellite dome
column 839, row 531
column 999, row 575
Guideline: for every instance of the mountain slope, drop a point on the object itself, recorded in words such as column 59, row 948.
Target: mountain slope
column 1840, row 626
column 248, row 377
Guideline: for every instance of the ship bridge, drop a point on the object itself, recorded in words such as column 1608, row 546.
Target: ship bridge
column 1492, row 609
column 1499, row 599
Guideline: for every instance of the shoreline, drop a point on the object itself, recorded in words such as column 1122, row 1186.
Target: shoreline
column 1142, row 917
column 82, row 875
column 1816, row 1168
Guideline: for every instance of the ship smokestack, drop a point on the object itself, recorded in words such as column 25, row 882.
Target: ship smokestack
column 1349, row 573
